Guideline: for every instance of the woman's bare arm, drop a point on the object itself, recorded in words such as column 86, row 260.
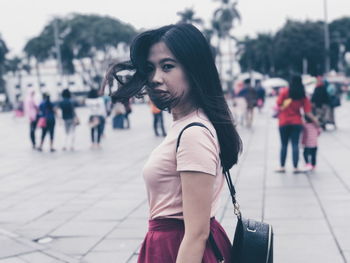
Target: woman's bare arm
column 197, row 192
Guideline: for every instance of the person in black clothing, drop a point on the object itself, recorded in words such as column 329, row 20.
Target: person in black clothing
column 70, row 119
column 321, row 102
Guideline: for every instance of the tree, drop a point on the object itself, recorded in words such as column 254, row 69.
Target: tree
column 188, row 16
column 283, row 53
column 298, row 41
column 222, row 24
column 257, row 54
column 340, row 42
column 3, row 51
column 87, row 39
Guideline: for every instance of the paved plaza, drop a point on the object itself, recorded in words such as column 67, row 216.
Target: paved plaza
column 91, row 206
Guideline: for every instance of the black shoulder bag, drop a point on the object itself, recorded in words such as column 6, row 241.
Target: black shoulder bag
column 253, row 240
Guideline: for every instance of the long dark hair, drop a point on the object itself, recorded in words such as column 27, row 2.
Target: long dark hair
column 192, row 51
column 296, row 89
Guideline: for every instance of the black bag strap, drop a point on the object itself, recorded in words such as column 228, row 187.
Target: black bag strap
column 230, row 185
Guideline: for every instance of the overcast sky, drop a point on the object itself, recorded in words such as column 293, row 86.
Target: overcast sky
column 22, row 19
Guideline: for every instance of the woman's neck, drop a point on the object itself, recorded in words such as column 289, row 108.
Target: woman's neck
column 182, row 110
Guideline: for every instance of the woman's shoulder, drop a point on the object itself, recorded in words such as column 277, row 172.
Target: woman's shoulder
column 198, row 118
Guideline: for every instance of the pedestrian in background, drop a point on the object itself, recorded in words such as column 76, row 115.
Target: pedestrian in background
column 184, row 183
column 97, row 115
column 117, row 115
column 321, row 102
column 128, row 110
column 46, row 121
column 157, row 120
column 31, row 109
column 334, row 97
column 291, row 101
column 240, row 105
column 70, row 119
column 250, row 96
column 309, row 140
column 261, row 94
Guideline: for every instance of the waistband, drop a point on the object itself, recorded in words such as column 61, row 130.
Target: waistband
column 169, row 224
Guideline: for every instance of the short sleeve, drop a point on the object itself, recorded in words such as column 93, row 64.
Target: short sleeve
column 198, row 151
column 306, row 105
column 282, row 96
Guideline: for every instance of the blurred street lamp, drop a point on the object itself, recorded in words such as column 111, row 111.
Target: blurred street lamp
column 326, row 39
column 58, row 48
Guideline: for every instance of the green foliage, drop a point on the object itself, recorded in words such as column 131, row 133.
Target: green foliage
column 282, row 53
column 80, row 36
column 340, row 37
column 224, row 18
column 297, row 41
column 257, row 54
column 188, row 16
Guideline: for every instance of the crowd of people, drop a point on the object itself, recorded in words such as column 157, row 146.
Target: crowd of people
column 45, row 114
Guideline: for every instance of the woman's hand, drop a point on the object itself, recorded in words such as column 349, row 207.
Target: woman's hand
column 197, row 195
column 313, row 118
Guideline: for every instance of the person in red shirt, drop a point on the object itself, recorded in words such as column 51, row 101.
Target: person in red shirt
column 291, row 101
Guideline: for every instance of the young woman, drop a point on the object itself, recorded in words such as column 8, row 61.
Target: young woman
column 175, row 65
column 290, row 102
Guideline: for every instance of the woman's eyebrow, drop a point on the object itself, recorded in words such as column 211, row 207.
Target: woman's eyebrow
column 167, row 60
column 162, row 61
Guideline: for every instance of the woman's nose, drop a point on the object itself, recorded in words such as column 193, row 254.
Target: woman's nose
column 157, row 76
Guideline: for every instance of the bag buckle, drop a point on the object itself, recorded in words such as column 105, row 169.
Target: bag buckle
column 236, row 210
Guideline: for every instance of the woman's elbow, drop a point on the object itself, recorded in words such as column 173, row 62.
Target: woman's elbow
column 200, row 234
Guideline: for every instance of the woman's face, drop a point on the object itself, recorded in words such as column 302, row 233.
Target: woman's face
column 167, row 80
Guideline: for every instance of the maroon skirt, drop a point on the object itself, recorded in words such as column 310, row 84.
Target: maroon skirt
column 164, row 237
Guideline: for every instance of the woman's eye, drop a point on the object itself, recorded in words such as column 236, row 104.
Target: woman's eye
column 167, row 67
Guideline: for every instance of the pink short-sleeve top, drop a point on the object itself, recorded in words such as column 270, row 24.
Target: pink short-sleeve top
column 198, row 152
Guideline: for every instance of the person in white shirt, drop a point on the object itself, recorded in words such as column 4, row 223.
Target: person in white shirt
column 98, row 113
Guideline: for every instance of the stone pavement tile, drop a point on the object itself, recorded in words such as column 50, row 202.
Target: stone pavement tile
column 81, row 228
column 12, row 260
column 343, row 236
column 133, row 258
column 38, row 257
column 286, row 181
column 37, row 229
column 93, row 214
column 142, row 212
column 107, row 257
column 339, row 221
column 139, row 223
column 296, row 212
column 299, row 226
column 116, row 244
column 73, row 245
column 10, row 247
column 306, row 248
column 347, row 255
column 339, row 208
column 128, row 232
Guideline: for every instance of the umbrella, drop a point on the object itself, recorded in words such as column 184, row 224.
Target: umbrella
column 272, row 85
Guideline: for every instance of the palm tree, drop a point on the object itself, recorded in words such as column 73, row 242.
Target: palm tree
column 16, row 66
column 188, row 16
column 222, row 23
